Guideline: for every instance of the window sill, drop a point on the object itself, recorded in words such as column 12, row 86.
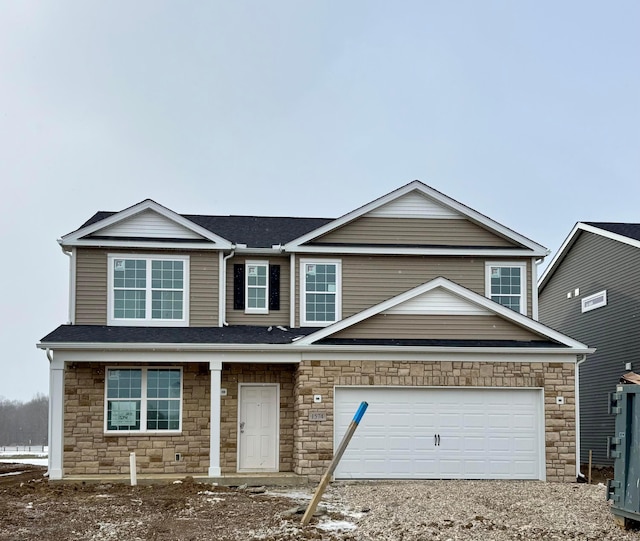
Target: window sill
column 116, row 433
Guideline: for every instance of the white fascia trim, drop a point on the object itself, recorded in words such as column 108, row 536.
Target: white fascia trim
column 486, row 355
column 571, row 238
column 128, row 244
column 471, row 296
column 208, row 348
column 441, row 198
column 414, row 251
column 147, row 204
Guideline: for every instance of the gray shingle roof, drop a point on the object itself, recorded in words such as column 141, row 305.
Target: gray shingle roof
column 254, row 231
column 626, row 229
column 237, row 334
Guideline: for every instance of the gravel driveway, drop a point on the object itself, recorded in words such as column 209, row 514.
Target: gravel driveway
column 486, row 510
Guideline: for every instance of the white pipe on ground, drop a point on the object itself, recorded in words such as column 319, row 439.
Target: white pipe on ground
column 132, row 469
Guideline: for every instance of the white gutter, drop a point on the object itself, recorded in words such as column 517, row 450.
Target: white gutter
column 156, row 346
column 335, row 250
column 222, row 289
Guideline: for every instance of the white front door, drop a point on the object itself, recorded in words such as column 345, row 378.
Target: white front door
column 258, row 427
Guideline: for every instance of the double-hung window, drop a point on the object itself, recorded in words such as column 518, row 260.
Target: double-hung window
column 257, row 287
column 148, row 290
column 321, row 295
column 506, row 284
column 143, row 400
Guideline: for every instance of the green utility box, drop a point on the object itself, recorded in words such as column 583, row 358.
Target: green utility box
column 624, row 447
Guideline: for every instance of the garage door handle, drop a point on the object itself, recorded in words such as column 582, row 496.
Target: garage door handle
column 435, row 440
column 438, row 440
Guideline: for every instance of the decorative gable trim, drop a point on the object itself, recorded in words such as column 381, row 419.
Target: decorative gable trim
column 465, row 295
column 570, row 241
column 154, row 221
column 438, row 301
column 435, row 201
column 415, row 205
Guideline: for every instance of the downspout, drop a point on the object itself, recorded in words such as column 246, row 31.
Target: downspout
column 534, row 288
column 72, row 284
column 577, row 401
column 292, row 291
column 222, row 289
column 49, row 413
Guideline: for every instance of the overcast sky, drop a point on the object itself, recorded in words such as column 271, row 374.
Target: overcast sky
column 526, row 111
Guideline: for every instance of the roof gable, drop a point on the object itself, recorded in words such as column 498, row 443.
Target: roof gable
column 440, row 296
column 146, row 223
column 619, row 232
column 417, row 200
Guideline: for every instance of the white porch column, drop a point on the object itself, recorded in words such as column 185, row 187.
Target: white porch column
column 56, row 418
column 215, row 368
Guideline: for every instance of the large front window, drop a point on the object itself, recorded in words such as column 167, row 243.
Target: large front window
column 149, row 289
column 506, row 285
column 321, row 295
column 143, row 399
column 257, row 287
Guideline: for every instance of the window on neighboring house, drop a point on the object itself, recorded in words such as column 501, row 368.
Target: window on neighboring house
column 506, row 285
column 257, row 287
column 143, row 400
column 597, row 300
column 149, row 289
column 320, row 300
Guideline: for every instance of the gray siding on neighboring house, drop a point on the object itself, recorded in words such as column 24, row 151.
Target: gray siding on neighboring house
column 593, row 264
column 274, row 317
column 91, row 286
column 369, row 280
column 418, row 231
column 460, row 327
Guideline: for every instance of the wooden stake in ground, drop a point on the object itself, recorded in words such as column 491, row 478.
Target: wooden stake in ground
column 334, row 462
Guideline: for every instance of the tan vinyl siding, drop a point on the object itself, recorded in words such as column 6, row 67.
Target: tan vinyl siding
column 92, row 287
column 369, row 280
column 449, row 327
column 414, row 231
column 274, row 317
column 203, row 289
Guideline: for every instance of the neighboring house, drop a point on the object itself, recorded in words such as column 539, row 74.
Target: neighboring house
column 591, row 291
column 210, row 345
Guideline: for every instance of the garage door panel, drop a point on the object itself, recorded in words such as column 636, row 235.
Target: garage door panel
column 484, row 433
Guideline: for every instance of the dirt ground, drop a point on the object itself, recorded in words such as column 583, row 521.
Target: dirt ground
column 33, row 509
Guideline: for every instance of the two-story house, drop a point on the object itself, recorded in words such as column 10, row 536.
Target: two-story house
column 211, row 345
column 591, row 291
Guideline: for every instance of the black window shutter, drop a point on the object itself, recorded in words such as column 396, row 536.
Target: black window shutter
column 274, row 287
column 238, row 287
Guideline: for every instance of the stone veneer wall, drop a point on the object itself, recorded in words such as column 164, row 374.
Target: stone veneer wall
column 87, row 450
column 232, row 374
column 313, row 447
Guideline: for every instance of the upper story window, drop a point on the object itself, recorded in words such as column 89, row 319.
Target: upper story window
column 257, row 287
column 143, row 400
column 505, row 284
column 148, row 290
column 321, row 292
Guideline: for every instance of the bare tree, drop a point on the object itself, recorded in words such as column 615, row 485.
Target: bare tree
column 24, row 423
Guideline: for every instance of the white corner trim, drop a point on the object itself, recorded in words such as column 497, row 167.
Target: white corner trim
column 292, row 291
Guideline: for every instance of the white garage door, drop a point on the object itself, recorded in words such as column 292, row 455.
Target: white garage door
column 441, row 433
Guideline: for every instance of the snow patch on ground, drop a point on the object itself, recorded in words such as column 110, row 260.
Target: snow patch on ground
column 29, row 460
column 336, row 526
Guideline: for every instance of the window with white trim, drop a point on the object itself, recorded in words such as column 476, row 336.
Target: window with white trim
column 597, row 300
column 143, row 400
column 321, row 295
column 506, row 284
column 152, row 290
column 256, row 287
